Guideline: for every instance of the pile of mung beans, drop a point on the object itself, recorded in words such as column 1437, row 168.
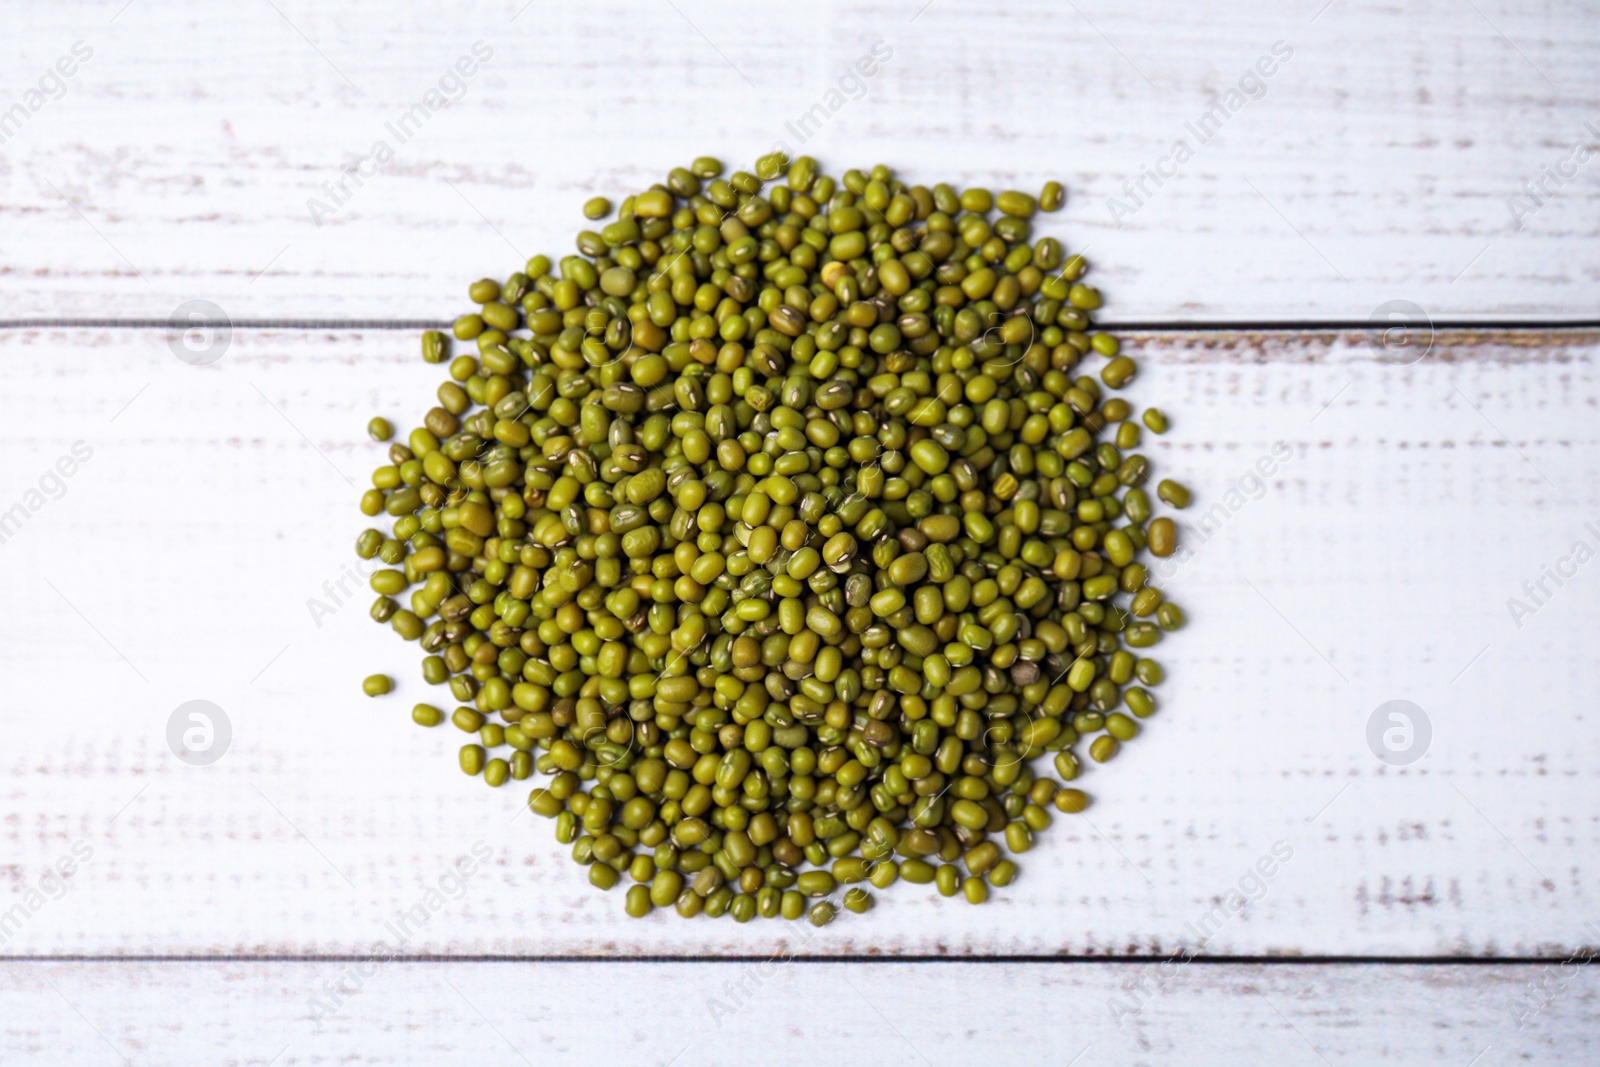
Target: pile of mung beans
column 782, row 531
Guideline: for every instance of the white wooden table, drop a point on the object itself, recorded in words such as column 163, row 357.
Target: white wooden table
column 1438, row 908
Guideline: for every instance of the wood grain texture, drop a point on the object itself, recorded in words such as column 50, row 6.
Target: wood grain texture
column 1376, row 163
column 1375, row 562
column 286, row 1015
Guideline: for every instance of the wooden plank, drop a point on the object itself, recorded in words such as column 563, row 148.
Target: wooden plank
column 181, row 560
column 1378, row 161
column 293, row 1014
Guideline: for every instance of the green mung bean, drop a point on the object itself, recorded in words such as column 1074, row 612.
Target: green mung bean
column 1173, row 493
column 781, row 529
column 433, row 346
column 1071, row 801
column 1162, row 536
column 637, row 903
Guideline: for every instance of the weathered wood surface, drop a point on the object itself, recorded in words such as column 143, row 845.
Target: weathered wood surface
column 284, row 1014
column 1385, row 156
column 1435, row 153
column 1405, row 506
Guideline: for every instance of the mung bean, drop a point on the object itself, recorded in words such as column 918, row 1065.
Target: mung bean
column 781, row 529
